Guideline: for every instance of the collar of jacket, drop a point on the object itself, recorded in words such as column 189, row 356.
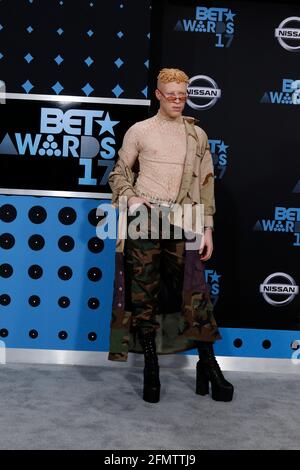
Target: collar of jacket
column 191, row 150
column 190, row 119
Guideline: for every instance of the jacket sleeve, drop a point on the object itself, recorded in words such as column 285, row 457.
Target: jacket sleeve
column 120, row 181
column 121, row 178
column 207, row 179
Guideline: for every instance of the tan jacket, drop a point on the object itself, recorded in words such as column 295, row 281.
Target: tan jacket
column 197, row 183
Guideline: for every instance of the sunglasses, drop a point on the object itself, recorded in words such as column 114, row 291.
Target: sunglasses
column 172, row 97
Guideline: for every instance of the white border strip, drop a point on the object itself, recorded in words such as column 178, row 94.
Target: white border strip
column 42, row 192
column 75, row 99
column 87, row 358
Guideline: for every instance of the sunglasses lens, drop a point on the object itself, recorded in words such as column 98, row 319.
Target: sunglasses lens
column 172, row 99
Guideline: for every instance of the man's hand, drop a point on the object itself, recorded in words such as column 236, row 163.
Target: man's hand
column 206, row 247
column 135, row 200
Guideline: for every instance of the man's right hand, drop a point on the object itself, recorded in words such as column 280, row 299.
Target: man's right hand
column 138, row 201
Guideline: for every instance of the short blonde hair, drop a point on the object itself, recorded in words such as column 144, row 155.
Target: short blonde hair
column 172, row 75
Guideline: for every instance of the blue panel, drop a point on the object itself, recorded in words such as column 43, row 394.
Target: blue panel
column 255, row 343
column 78, row 319
column 48, row 318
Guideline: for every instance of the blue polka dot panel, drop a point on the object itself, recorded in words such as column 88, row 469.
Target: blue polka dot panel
column 56, row 274
column 259, row 343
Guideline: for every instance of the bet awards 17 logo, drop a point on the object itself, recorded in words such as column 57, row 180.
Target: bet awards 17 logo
column 219, row 153
column 217, row 21
column 76, row 133
column 289, row 93
column 286, row 220
column 213, row 280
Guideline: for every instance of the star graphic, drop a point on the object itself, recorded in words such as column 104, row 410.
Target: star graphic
column 223, row 147
column 215, row 277
column 230, row 15
column 107, row 124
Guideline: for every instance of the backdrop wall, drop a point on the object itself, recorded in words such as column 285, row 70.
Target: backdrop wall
column 77, row 76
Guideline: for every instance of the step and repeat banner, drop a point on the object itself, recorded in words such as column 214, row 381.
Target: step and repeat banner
column 243, row 62
column 75, row 76
column 66, row 67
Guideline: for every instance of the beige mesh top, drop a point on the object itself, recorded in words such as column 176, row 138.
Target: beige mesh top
column 160, row 143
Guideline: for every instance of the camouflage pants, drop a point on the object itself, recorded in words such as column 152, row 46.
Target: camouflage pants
column 156, row 267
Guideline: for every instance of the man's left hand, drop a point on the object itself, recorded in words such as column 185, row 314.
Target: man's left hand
column 206, row 247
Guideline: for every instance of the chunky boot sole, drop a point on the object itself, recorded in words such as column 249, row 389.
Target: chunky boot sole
column 218, row 393
column 221, row 394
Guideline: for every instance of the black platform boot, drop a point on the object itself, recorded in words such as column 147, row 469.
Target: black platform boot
column 151, row 370
column 208, row 370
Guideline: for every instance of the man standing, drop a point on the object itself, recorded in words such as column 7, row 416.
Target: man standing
column 161, row 300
